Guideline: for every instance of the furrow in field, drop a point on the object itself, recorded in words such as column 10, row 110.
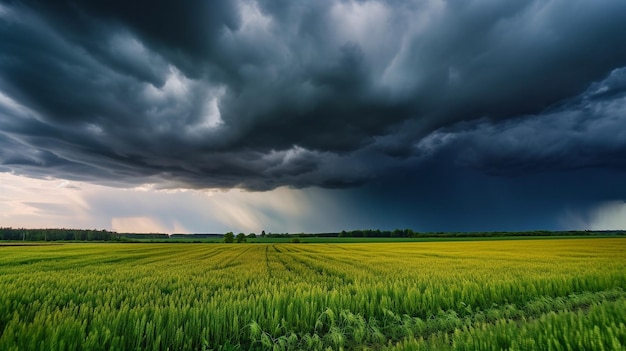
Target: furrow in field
column 233, row 259
column 576, row 328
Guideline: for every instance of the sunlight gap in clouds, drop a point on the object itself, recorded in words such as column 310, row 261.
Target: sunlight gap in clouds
column 44, row 203
column 36, row 203
column 144, row 225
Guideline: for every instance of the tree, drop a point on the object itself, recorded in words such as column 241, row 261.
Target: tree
column 241, row 238
column 251, row 235
column 263, row 234
column 229, row 237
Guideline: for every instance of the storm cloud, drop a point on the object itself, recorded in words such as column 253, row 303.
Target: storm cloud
column 336, row 94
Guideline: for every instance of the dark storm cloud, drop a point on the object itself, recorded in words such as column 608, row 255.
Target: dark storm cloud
column 588, row 131
column 257, row 95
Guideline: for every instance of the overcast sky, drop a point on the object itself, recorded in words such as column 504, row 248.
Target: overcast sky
column 312, row 116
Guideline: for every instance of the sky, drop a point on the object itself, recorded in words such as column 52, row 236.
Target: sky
column 313, row 116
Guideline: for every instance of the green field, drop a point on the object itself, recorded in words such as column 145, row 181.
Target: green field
column 566, row 294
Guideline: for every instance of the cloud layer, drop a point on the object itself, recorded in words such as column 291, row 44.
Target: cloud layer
column 421, row 95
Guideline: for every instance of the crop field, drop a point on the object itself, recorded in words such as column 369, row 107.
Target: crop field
column 565, row 294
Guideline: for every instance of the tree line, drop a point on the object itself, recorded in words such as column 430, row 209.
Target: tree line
column 409, row 233
column 21, row 234
column 57, row 234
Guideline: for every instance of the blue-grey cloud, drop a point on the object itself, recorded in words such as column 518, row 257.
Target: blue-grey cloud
column 586, row 131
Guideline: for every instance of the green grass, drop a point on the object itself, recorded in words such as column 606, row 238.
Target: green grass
column 566, row 294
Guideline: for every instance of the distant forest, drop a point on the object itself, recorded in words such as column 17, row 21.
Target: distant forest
column 408, row 233
column 57, row 235
column 17, row 234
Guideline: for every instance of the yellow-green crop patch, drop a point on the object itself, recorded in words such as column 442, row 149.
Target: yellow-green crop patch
column 530, row 294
